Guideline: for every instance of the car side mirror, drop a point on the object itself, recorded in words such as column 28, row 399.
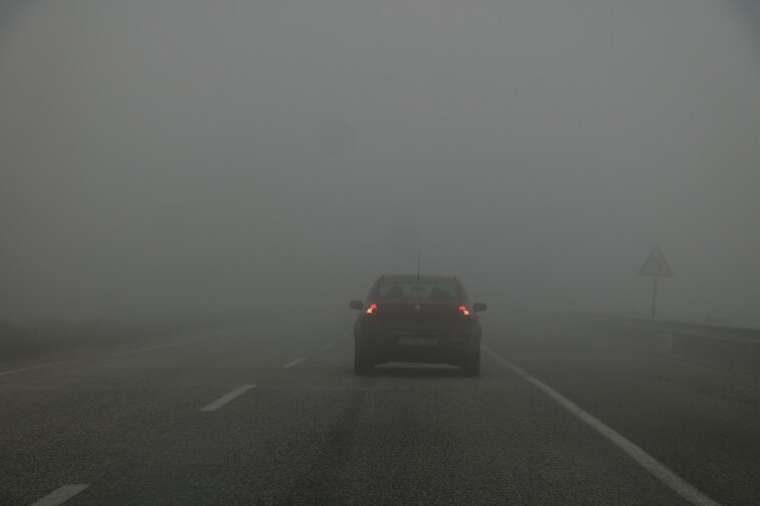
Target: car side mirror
column 356, row 304
column 479, row 307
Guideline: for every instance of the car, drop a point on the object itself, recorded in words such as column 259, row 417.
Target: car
column 413, row 318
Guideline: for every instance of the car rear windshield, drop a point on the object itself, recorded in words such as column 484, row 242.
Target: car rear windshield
column 413, row 288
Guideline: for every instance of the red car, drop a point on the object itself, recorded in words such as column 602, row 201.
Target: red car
column 411, row 318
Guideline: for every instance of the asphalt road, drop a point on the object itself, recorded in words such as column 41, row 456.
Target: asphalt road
column 250, row 417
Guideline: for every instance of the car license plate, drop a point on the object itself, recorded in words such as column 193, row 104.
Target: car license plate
column 418, row 341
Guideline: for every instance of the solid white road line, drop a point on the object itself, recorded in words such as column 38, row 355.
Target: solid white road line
column 30, row 368
column 294, row 362
column 649, row 463
column 60, row 495
column 221, row 401
column 59, row 362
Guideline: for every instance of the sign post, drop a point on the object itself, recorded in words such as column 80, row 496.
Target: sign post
column 655, row 266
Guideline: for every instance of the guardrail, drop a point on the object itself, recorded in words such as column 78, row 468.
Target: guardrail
column 733, row 350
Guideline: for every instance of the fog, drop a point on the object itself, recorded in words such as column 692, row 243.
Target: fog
column 230, row 158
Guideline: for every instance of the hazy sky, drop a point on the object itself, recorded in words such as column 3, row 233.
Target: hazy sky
column 193, row 157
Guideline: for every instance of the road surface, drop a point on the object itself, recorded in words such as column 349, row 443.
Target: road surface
column 245, row 416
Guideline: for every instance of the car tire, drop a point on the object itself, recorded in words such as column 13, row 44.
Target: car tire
column 362, row 363
column 472, row 364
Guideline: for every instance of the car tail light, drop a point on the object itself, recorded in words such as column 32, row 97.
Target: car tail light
column 371, row 309
column 463, row 310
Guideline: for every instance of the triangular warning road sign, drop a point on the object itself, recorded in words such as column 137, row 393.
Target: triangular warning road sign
column 656, row 264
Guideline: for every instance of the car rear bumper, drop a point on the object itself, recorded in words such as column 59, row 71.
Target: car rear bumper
column 420, row 347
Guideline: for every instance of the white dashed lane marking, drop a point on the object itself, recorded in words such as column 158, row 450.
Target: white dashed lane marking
column 294, row 362
column 60, row 495
column 226, row 398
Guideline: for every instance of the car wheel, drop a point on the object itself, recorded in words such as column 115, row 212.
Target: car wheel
column 362, row 363
column 472, row 365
